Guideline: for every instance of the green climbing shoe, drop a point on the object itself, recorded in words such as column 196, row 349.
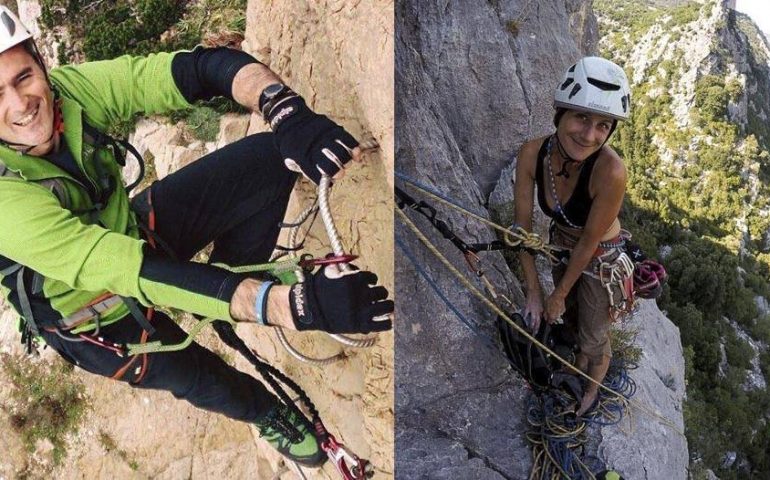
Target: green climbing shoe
column 292, row 436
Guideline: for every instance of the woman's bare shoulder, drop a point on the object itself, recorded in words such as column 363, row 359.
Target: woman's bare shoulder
column 610, row 165
column 531, row 147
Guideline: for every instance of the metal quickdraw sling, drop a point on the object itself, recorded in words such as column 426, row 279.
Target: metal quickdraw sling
column 514, row 239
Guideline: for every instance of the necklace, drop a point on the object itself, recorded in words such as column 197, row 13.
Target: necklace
column 559, row 209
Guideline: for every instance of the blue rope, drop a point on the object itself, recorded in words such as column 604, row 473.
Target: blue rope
column 546, row 413
column 422, row 186
column 618, row 380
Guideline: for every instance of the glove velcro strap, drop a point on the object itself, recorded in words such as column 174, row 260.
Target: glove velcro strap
column 300, row 308
column 284, row 109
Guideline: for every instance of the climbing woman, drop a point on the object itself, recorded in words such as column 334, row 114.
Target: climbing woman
column 580, row 185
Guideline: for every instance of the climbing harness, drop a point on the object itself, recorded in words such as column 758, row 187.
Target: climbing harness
column 610, row 265
column 30, row 284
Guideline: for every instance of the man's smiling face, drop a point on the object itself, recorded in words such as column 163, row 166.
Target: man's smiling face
column 26, row 101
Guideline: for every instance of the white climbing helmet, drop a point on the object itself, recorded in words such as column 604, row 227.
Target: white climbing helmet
column 12, row 31
column 596, row 85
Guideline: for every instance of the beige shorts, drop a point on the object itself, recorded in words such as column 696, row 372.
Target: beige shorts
column 588, row 314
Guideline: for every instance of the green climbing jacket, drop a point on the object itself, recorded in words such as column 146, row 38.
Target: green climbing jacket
column 81, row 257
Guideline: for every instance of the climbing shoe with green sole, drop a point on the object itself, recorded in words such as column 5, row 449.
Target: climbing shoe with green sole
column 292, row 436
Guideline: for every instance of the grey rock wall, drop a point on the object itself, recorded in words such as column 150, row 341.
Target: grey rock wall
column 469, row 92
column 473, row 83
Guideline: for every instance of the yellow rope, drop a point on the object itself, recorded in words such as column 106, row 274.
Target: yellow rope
column 523, row 332
column 513, row 238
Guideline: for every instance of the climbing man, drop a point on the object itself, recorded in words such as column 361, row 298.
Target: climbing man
column 81, row 263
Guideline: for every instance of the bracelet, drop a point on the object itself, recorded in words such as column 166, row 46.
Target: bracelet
column 260, row 305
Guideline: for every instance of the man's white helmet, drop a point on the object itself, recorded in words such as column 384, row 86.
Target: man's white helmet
column 596, row 85
column 12, row 31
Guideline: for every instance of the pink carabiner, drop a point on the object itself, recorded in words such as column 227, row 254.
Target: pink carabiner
column 350, row 466
column 328, row 260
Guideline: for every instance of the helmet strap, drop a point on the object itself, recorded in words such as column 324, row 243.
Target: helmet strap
column 566, row 159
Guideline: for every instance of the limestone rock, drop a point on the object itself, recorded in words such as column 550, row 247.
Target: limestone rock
column 339, row 55
column 470, row 92
column 648, row 449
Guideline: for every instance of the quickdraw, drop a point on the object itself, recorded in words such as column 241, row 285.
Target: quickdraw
column 348, row 464
column 618, row 273
column 308, row 262
column 514, row 239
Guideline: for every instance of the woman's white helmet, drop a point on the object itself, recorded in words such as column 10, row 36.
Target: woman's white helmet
column 12, row 31
column 595, row 85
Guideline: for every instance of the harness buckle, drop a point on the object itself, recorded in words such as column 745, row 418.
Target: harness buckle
column 348, row 464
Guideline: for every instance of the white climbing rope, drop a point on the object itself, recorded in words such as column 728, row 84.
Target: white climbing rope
column 322, row 203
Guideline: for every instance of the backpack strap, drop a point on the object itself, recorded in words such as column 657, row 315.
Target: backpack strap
column 98, row 139
column 55, row 185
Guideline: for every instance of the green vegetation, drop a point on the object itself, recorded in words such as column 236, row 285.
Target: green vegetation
column 202, row 120
column 702, row 191
column 47, row 402
column 624, row 345
column 103, row 30
column 110, row 445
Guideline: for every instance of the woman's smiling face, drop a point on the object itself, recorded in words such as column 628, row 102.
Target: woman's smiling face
column 583, row 133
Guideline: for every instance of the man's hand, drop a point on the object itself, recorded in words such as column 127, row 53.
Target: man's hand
column 310, row 143
column 337, row 301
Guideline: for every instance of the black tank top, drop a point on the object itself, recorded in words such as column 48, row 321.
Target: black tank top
column 578, row 206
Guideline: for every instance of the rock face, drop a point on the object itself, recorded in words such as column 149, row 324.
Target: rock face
column 473, row 84
column 645, row 448
column 339, row 56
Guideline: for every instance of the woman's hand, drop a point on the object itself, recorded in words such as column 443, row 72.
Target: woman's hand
column 533, row 310
column 554, row 306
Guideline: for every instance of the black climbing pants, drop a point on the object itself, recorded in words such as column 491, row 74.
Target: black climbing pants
column 236, row 198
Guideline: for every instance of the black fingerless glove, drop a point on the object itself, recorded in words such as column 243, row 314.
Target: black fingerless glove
column 336, row 302
column 309, row 142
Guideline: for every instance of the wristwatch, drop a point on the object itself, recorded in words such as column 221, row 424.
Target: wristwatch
column 270, row 95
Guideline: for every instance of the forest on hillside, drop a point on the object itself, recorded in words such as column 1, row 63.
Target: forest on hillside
column 699, row 197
